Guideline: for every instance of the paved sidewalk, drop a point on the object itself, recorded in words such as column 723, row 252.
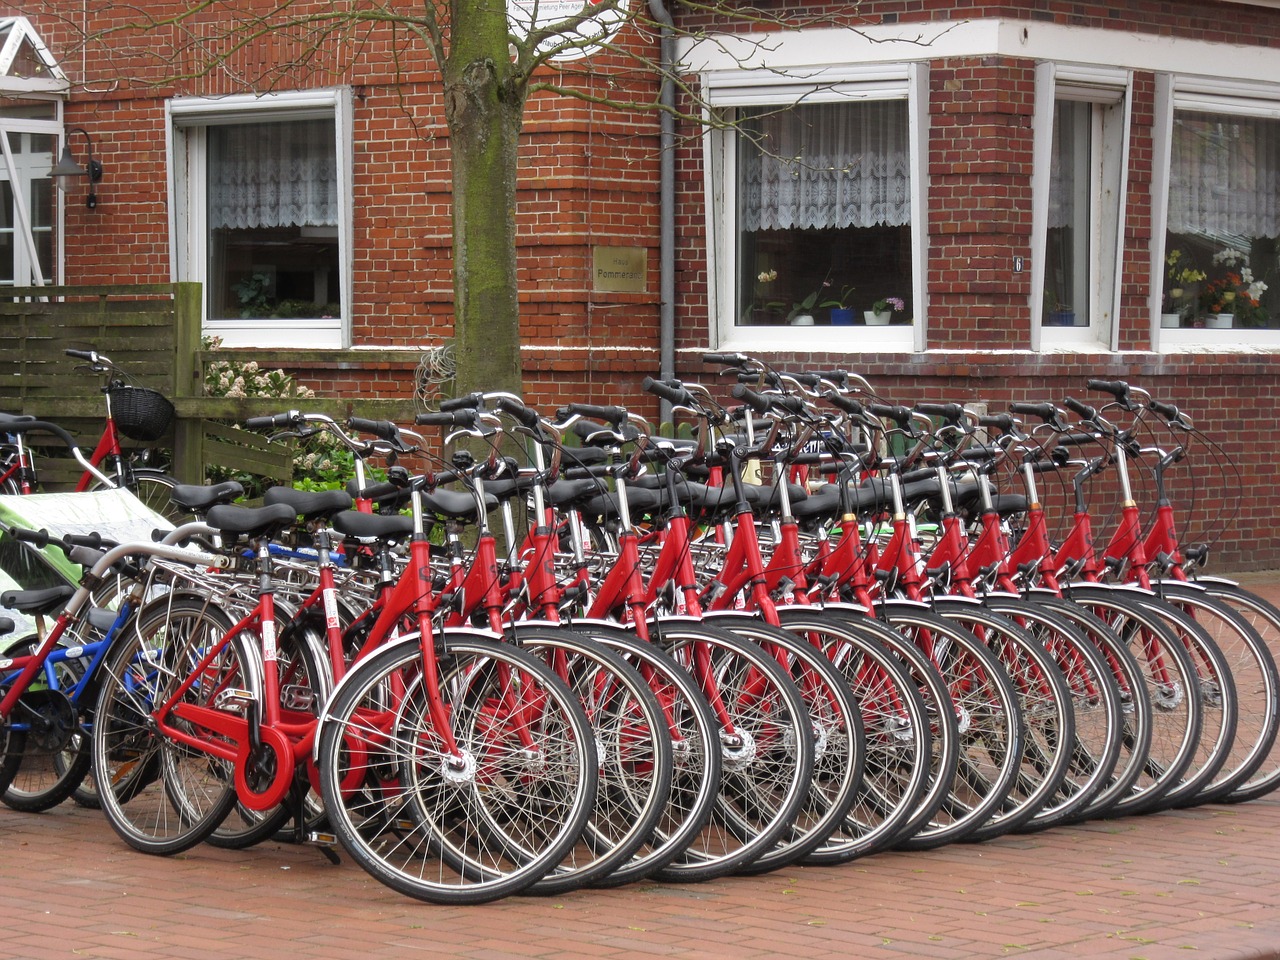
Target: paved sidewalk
column 1201, row 883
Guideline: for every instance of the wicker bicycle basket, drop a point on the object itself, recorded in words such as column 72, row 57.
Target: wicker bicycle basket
column 140, row 412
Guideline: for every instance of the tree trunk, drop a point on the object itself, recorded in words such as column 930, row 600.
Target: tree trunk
column 484, row 105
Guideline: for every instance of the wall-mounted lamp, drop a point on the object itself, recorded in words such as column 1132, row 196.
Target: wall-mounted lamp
column 67, row 167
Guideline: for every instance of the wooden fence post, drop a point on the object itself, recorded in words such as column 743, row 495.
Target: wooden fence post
column 188, row 383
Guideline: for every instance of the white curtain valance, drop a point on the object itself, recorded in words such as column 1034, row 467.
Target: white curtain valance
column 1224, row 176
column 273, row 175
column 827, row 165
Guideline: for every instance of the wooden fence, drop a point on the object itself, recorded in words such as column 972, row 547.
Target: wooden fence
column 153, row 333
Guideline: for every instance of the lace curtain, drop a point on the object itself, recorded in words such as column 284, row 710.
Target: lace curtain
column 825, row 165
column 1067, row 127
column 273, row 175
column 1224, row 176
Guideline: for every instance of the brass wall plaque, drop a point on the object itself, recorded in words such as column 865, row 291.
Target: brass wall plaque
column 619, row 269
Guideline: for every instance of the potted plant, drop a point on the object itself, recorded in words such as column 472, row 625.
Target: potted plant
column 882, row 311
column 1180, row 274
column 841, row 308
column 1234, row 293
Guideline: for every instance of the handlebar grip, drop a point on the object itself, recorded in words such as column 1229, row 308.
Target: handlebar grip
column 1083, row 410
column 950, row 412
column 446, row 418
column 767, row 377
column 756, row 401
column 517, row 409
column 471, row 401
column 807, row 378
column 383, row 429
column 1001, row 421
column 839, row 377
column 1117, row 388
column 614, row 415
column 27, row 426
column 895, row 412
column 729, row 359
column 274, row 421
column 1076, row 439
column 90, row 355
column 1166, row 410
column 1045, row 466
column 847, row 404
column 37, row 538
column 1045, row 411
column 93, row 541
column 667, row 390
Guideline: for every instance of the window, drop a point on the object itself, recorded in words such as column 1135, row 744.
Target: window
column 1216, row 214
column 1078, row 206
column 1221, row 266
column 816, row 187
column 263, row 195
column 29, row 139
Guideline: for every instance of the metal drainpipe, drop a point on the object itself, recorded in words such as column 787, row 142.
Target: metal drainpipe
column 667, row 204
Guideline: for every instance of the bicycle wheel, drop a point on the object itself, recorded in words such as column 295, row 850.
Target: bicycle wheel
column 13, row 744
column 468, row 827
column 304, row 684
column 1217, row 699
column 991, row 730
column 928, row 682
column 1253, row 674
column 1171, row 686
column 695, row 782
column 1264, row 617
column 765, row 740
column 1095, row 705
column 154, row 489
column 839, row 744
column 1135, row 703
column 896, row 730
column 159, row 795
column 633, row 744
column 56, row 755
column 1044, row 702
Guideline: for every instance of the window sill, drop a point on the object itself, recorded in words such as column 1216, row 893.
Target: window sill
column 896, row 338
column 1192, row 340
column 325, row 334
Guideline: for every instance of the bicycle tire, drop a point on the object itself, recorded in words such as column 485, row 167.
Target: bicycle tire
column 1171, row 686
column 896, row 729
column 1135, row 703
column 1254, row 676
column 159, row 797
column 12, row 745
column 767, row 756
column 695, row 782
column 1217, row 700
column 1095, row 705
column 991, row 730
column 451, row 833
column 932, row 688
column 839, row 741
column 304, row 684
column 45, row 777
column 633, row 743
column 1264, row 617
column 1044, row 702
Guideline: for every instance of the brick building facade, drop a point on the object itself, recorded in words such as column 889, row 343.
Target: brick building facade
column 1033, row 148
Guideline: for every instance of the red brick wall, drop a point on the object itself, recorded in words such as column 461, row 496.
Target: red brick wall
column 589, row 177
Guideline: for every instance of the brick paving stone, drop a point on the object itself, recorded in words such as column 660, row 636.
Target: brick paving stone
column 1201, row 883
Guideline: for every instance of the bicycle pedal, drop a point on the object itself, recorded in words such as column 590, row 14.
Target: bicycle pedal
column 322, row 839
column 233, row 698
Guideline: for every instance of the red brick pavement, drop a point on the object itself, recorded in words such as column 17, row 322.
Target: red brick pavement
column 1202, row 883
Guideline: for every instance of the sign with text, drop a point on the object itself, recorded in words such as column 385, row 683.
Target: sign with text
column 619, row 269
column 587, row 24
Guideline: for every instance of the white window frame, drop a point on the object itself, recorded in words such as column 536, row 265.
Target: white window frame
column 1178, row 92
column 726, row 89
column 1108, row 196
column 187, row 120
column 21, row 173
